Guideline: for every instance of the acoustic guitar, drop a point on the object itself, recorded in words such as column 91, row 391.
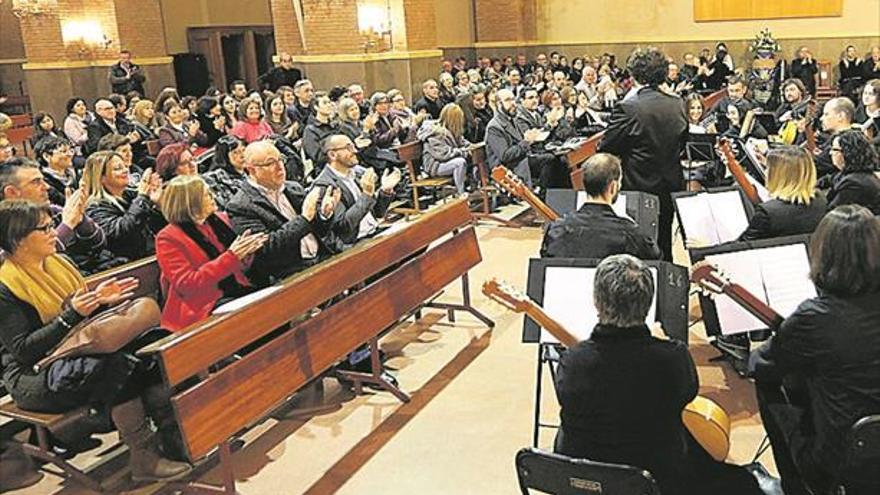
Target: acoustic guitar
column 738, row 172
column 707, row 422
column 712, row 281
column 514, row 185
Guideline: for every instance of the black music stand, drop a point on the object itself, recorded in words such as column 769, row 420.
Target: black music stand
column 700, row 148
column 642, row 207
column 736, row 349
column 671, row 296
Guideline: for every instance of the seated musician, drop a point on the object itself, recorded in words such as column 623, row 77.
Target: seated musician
column 42, row 297
column 267, row 203
column 855, row 181
column 868, row 113
column 837, row 116
column 622, row 392
column 791, row 110
column 739, row 118
column 736, row 94
column 828, row 354
column 698, row 123
column 360, row 205
column 201, row 259
column 796, row 207
column 595, row 230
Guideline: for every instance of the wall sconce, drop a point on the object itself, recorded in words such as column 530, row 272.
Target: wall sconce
column 33, row 8
column 374, row 24
column 86, row 36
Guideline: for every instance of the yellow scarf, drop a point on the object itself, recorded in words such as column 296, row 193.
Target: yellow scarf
column 45, row 289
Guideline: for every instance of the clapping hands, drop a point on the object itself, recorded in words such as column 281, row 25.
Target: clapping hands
column 108, row 292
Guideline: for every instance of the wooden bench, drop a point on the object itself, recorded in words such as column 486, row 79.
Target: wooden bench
column 411, row 155
column 20, row 138
column 21, row 120
column 147, row 272
column 16, row 104
column 286, row 352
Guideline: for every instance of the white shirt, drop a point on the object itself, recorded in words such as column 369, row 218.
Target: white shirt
column 308, row 246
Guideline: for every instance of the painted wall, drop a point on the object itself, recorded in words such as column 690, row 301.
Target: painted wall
column 455, row 22
column 182, row 14
column 610, row 21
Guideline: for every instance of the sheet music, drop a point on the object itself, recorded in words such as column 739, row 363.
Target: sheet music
column 568, row 299
column 619, row 206
column 778, row 275
column 236, row 304
column 786, row 272
column 712, row 218
column 744, row 268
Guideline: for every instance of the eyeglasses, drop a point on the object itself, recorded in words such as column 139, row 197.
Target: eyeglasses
column 271, row 162
column 349, row 147
column 45, row 228
column 839, row 150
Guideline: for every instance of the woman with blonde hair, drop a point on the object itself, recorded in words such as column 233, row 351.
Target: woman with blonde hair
column 129, row 217
column 446, row 151
column 795, row 207
column 201, row 259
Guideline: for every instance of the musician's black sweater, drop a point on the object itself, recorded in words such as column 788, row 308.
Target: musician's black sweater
column 621, row 394
column 595, row 231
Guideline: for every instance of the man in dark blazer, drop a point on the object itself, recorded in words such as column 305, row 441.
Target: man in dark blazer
column 267, row 203
column 360, row 206
column 648, row 132
column 108, row 122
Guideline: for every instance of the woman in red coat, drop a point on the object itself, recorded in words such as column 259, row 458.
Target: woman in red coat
column 201, row 260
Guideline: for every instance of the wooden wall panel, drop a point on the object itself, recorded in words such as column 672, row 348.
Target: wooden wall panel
column 730, row 10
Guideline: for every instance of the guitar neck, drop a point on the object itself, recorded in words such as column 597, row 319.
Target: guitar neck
column 758, row 308
column 562, row 334
column 739, row 174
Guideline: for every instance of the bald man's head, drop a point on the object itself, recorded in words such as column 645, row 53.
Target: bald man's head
column 265, row 164
column 341, row 152
column 506, row 100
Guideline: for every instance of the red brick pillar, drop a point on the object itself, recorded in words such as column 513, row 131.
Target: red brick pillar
column 506, row 20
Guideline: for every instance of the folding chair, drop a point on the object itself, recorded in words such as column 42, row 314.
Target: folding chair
column 860, row 471
column 561, row 475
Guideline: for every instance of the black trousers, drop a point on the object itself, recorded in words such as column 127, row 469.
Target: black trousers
column 783, row 415
column 550, row 170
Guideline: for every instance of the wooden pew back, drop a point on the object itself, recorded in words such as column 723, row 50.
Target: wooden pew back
column 247, row 390
column 146, row 270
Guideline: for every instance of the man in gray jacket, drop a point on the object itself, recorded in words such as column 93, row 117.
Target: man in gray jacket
column 505, row 144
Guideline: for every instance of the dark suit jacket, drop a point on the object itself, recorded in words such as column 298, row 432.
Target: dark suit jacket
column 280, row 255
column 350, row 210
column 777, row 218
column 648, row 133
column 861, row 188
column 98, row 129
column 505, row 145
column 595, row 231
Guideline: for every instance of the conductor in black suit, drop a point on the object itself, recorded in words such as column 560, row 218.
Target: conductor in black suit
column 648, row 131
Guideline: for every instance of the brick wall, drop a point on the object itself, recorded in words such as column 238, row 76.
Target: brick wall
column 11, row 44
column 331, row 27
column 506, row 20
column 141, row 28
column 421, row 26
column 287, row 33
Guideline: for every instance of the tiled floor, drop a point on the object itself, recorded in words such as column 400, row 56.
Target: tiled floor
column 471, row 410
